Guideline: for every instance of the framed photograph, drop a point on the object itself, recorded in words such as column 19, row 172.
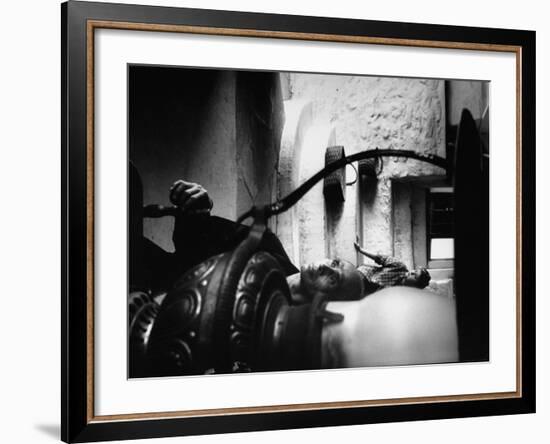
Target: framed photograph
column 277, row 221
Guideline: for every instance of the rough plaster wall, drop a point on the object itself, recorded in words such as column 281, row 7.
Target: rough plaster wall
column 308, row 231
column 311, row 208
column 298, row 121
column 376, row 234
column 373, row 112
column 402, row 223
column 419, row 227
column 409, row 223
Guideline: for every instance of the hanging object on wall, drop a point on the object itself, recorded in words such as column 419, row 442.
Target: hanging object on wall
column 354, row 181
column 370, row 168
column 334, row 186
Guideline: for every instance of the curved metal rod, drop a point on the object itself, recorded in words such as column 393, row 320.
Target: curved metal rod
column 154, row 211
column 356, row 176
column 289, row 200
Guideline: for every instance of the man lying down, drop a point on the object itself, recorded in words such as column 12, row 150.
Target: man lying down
column 386, row 322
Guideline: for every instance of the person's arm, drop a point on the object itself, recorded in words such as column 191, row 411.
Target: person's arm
column 194, row 237
column 390, row 262
column 198, row 235
column 190, row 198
column 378, row 258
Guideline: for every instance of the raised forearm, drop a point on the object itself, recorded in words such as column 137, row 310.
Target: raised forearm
column 374, row 257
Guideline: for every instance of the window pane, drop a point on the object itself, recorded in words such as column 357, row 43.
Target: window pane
column 442, row 248
column 441, row 215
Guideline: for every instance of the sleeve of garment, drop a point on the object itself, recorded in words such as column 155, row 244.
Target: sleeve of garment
column 391, row 262
column 199, row 237
column 273, row 245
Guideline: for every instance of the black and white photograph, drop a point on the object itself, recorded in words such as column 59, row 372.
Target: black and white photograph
column 241, row 221
column 283, row 221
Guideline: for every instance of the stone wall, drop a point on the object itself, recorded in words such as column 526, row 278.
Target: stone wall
column 366, row 113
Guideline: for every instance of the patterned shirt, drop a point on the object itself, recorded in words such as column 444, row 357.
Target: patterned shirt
column 387, row 273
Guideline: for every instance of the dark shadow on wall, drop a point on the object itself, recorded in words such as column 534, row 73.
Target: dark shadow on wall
column 219, row 128
column 166, row 108
column 334, row 211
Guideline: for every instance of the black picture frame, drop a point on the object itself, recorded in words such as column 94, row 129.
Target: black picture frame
column 78, row 423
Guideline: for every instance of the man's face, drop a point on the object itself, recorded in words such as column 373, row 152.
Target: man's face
column 416, row 279
column 337, row 278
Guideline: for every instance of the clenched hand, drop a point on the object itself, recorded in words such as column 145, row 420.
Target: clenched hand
column 190, row 197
